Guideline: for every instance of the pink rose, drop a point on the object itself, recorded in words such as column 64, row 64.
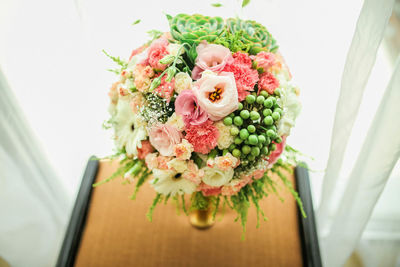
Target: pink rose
column 156, row 51
column 164, row 137
column 217, row 95
column 186, row 105
column 211, row 57
column 277, row 152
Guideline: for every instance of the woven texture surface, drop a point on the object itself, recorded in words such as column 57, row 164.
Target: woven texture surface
column 117, row 233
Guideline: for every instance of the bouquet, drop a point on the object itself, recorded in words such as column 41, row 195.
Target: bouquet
column 205, row 110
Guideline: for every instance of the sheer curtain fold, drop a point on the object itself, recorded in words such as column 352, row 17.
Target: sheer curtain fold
column 33, row 205
column 377, row 158
column 361, row 57
column 340, row 230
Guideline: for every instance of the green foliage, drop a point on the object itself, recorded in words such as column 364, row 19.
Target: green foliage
column 107, row 124
column 184, row 204
column 124, row 167
column 216, row 206
column 233, row 41
column 253, row 34
column 136, row 22
column 195, row 28
column 191, row 53
column 156, row 200
column 154, row 34
column 216, row 4
column 116, row 71
column 199, row 162
column 142, row 178
column 245, row 3
column 117, row 60
column 199, row 201
column 241, row 205
column 288, row 185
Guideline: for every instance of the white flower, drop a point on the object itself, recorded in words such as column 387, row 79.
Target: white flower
column 173, row 49
column 176, row 121
column 183, row 150
column 217, row 94
column 291, row 109
column 169, row 182
column 224, row 163
column 182, row 82
column 217, row 177
column 178, row 165
column 225, row 139
column 127, row 133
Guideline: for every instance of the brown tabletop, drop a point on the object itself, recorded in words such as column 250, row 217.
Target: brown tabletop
column 116, row 232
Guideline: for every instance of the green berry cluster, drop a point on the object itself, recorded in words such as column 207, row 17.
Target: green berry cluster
column 255, row 126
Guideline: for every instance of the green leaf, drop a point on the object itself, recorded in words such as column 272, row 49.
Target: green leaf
column 192, row 53
column 136, row 22
column 170, row 73
column 167, row 59
column 216, row 4
column 154, row 34
column 156, row 200
column 169, row 17
column 245, row 3
column 154, row 84
column 117, row 60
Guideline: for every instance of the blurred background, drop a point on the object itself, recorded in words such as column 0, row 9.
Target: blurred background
column 51, row 60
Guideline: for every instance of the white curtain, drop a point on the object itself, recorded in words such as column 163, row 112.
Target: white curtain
column 342, row 226
column 34, row 208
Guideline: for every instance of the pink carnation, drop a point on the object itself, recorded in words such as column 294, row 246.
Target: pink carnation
column 245, row 77
column 163, row 162
column 166, row 89
column 203, row 137
column 265, row 60
column 145, row 149
column 193, row 173
column 208, row 190
column 277, row 152
column 268, row 82
column 241, row 58
column 157, row 50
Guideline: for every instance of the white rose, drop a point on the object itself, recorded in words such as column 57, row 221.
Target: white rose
column 178, row 165
column 182, row 82
column 176, row 121
column 225, row 139
column 216, row 177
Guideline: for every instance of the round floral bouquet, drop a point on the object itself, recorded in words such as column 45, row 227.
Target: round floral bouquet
column 205, row 110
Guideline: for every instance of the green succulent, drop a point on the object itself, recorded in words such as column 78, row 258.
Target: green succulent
column 253, row 34
column 193, row 29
